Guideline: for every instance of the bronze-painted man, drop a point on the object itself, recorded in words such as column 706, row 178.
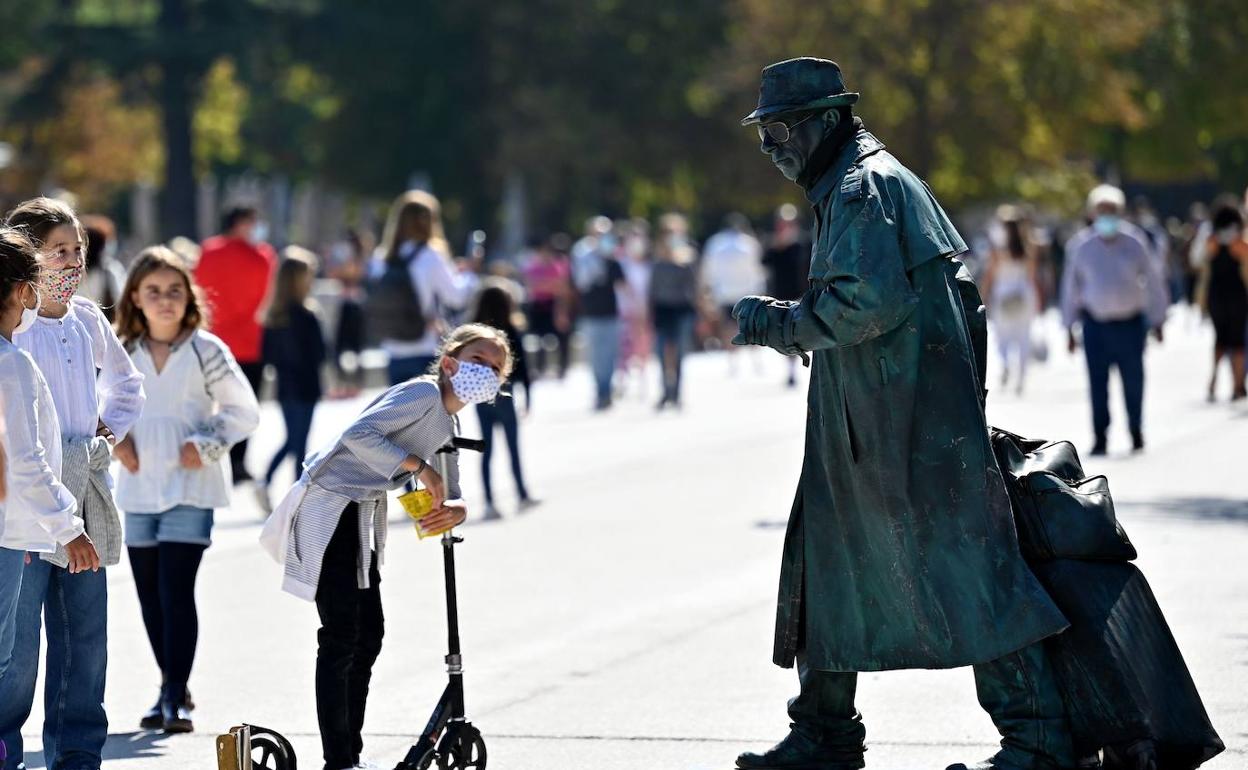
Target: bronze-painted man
column 901, row 550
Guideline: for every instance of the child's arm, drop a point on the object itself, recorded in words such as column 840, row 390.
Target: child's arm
column 33, row 485
column 238, row 413
column 399, row 407
column 120, row 384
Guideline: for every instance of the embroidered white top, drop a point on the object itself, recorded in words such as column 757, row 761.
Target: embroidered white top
column 70, row 351
column 201, row 396
column 38, row 513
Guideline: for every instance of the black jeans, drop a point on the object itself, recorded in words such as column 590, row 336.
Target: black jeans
column 501, row 412
column 254, row 372
column 352, row 626
column 298, row 418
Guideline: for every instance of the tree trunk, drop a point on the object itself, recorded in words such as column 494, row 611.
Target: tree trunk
column 177, row 103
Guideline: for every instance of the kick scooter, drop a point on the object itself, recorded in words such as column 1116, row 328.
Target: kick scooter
column 449, row 741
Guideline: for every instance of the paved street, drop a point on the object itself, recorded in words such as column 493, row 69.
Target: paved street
column 626, row 622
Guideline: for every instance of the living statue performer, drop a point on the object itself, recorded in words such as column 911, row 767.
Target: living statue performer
column 901, row 550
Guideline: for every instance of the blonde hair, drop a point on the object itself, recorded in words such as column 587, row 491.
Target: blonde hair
column 419, row 211
column 297, row 262
column 462, row 336
column 131, row 323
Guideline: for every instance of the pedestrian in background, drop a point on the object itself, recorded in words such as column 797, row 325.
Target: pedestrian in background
column 104, row 277
column 548, row 284
column 98, row 395
column 787, row 261
column 199, row 403
column 235, row 270
column 597, row 276
column 414, row 287
column 1223, row 296
column 294, row 346
column 1113, row 289
column 673, row 301
column 349, row 266
column 732, row 268
column 35, row 507
column 636, row 322
column 1011, row 284
column 496, row 307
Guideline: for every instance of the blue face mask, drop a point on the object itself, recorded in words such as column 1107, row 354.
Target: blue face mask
column 1106, row 225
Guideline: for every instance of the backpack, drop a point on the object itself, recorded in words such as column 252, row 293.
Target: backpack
column 392, row 310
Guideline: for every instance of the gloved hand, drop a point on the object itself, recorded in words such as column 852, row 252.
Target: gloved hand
column 768, row 322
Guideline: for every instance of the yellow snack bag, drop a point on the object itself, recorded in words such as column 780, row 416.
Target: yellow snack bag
column 419, row 504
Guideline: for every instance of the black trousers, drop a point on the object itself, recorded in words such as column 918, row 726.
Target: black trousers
column 165, row 578
column 254, row 372
column 352, row 626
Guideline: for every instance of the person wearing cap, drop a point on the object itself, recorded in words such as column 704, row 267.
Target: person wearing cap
column 901, row 550
column 1115, row 291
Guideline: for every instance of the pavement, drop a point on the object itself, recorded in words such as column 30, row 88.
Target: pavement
column 626, row 622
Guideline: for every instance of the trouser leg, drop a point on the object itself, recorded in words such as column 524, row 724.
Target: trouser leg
column 337, row 605
column 511, row 432
column 17, row 686
column 179, row 567
column 11, row 567
column 824, row 710
column 1098, row 356
column 145, row 566
column 1021, row 694
column 487, row 415
column 371, row 629
column 1130, row 358
column 75, row 725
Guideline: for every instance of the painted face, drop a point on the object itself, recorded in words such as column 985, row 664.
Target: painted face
column 162, row 297
column 792, row 155
column 63, row 264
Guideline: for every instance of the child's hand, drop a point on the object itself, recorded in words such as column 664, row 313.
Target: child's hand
column 446, row 517
column 189, row 457
column 103, row 430
column 127, row 454
column 82, row 554
column 432, row 481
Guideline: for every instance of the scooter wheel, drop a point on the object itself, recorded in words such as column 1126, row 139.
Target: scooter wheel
column 461, row 748
column 270, row 751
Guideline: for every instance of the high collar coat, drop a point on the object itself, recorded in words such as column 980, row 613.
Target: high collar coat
column 901, row 550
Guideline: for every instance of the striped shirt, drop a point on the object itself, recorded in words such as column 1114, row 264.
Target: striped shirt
column 361, row 466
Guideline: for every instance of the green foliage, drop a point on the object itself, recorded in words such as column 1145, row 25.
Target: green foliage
column 630, row 108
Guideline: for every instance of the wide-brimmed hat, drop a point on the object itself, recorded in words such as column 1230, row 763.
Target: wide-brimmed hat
column 798, row 85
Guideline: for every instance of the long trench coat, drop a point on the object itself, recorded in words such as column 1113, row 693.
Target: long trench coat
column 901, row 550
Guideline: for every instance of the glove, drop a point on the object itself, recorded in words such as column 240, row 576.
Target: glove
column 768, row 322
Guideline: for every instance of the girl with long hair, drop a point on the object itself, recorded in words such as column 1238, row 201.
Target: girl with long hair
column 97, row 394
column 294, row 346
column 175, row 460
column 1012, row 286
column 496, row 307
column 413, row 240
column 330, row 529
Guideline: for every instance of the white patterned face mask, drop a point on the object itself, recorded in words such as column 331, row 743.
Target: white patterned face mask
column 474, row 383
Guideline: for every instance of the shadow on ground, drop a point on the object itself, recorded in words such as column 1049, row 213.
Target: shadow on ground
column 136, row 745
column 1215, row 509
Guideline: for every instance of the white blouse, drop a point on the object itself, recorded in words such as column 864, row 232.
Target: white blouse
column 202, row 397
column 38, row 513
column 70, row 351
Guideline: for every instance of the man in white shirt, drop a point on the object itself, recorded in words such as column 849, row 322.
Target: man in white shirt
column 732, row 268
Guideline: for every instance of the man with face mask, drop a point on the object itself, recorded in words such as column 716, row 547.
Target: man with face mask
column 901, row 550
column 1114, row 289
column 235, row 271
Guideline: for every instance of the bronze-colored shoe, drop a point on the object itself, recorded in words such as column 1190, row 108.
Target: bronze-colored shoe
column 797, row 752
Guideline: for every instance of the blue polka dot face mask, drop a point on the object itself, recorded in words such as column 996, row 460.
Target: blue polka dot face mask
column 474, row 383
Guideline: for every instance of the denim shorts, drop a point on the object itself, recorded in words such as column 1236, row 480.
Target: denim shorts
column 183, row 524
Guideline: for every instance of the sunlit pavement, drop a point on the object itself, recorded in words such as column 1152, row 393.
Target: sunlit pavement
column 626, row 622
